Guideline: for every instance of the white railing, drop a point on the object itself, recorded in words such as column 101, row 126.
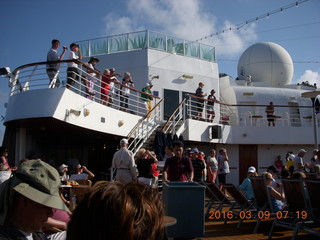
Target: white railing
column 33, row 76
column 144, row 129
column 252, row 115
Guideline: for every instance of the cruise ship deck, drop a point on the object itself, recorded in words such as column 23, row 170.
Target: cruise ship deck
column 215, row 230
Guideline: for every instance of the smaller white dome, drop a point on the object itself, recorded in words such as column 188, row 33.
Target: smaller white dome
column 266, row 62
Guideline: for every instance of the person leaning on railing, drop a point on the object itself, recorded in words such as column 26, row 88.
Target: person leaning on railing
column 125, row 91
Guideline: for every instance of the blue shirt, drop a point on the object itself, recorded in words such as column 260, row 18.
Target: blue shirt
column 247, row 187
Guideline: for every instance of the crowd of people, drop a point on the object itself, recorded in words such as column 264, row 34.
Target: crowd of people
column 108, row 79
column 31, row 202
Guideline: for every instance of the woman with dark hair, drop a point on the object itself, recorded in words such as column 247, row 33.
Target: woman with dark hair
column 114, row 211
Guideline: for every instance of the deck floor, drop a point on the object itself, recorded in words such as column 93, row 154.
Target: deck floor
column 218, row 230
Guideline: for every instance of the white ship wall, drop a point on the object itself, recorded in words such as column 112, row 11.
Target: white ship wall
column 58, row 102
column 145, row 63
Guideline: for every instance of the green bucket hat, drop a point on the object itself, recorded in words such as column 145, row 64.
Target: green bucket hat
column 35, row 180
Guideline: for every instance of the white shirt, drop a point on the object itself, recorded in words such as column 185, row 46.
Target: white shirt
column 298, row 160
column 53, row 56
column 72, row 55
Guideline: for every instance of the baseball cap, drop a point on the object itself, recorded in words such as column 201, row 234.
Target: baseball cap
column 38, row 181
column 194, row 150
column 63, row 166
column 123, row 141
column 291, row 156
column 302, row 151
column 251, row 169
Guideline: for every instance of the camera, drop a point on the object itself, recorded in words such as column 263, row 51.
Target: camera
column 65, row 47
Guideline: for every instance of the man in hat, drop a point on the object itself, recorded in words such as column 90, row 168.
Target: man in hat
column 210, row 106
column 198, row 165
column 72, row 70
column 200, row 100
column 146, row 97
column 113, row 79
column 298, row 161
column 123, row 163
column 27, row 200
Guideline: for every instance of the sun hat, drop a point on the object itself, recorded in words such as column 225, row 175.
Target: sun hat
column 37, row 181
column 63, row 166
column 251, row 169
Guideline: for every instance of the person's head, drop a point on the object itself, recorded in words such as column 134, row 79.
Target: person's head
column 28, row 197
column 315, row 151
column 284, row 173
column 55, row 43
column 74, row 47
column 3, row 151
column 268, row 176
column 63, row 168
column 78, row 168
column 222, row 151
column 178, row 149
column 271, row 169
column 302, row 152
column 149, row 85
column 127, row 76
column 124, row 143
column 271, row 103
column 94, row 60
column 201, row 84
column 194, row 153
column 106, row 71
column 112, row 210
column 141, row 154
column 298, row 175
column 213, row 92
column 168, row 150
column 212, row 152
column 252, row 171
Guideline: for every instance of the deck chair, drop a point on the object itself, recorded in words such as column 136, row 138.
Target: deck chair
column 261, row 202
column 216, row 198
column 313, row 190
column 296, row 203
column 241, row 202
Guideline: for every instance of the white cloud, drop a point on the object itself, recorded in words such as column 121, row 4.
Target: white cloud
column 185, row 19
column 311, row 77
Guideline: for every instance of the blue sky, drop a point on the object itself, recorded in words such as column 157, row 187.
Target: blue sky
column 28, row 26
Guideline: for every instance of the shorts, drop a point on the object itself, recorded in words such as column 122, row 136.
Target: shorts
column 222, row 178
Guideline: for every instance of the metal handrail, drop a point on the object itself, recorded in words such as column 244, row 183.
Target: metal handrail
column 144, row 119
column 173, row 115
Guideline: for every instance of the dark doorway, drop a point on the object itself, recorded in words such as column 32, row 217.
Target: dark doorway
column 248, row 156
column 171, row 102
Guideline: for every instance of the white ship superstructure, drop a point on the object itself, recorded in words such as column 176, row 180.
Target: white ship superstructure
column 66, row 123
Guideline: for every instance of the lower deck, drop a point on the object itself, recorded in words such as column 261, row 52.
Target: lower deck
column 220, row 231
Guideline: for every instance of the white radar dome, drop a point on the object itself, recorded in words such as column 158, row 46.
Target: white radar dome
column 266, row 62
